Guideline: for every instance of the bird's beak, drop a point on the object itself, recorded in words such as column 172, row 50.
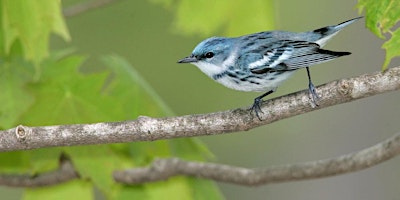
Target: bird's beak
column 189, row 59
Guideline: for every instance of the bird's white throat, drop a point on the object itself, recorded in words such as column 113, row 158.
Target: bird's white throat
column 209, row 69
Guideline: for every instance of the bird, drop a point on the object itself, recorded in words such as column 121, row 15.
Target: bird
column 262, row 61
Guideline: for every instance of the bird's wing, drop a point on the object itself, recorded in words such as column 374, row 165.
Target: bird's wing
column 311, row 57
column 289, row 55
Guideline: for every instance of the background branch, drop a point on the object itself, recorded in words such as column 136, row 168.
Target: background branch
column 85, row 6
column 162, row 169
column 149, row 129
column 65, row 173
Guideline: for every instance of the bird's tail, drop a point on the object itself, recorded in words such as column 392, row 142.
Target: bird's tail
column 323, row 35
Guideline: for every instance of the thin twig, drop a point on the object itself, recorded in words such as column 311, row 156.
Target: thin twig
column 65, row 173
column 149, row 129
column 163, row 169
column 85, row 6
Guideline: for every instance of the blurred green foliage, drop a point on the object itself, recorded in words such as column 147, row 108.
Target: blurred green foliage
column 45, row 87
column 233, row 18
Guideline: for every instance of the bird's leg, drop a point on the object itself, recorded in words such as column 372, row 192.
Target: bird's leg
column 311, row 89
column 256, row 107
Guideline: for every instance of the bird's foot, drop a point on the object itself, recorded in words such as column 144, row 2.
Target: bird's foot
column 314, row 96
column 256, row 108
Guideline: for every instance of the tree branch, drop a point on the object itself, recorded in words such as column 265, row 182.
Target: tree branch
column 162, row 169
column 85, row 6
column 149, row 129
column 65, row 173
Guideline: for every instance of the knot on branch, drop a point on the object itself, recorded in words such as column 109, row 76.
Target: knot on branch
column 345, row 87
column 21, row 132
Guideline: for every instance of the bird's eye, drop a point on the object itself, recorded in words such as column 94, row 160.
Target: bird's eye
column 209, row 54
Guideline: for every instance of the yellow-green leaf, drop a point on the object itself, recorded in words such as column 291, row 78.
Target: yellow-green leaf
column 381, row 16
column 392, row 47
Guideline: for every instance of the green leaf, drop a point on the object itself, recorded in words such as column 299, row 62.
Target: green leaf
column 44, row 160
column 29, row 23
column 132, row 192
column 14, row 98
column 206, row 18
column 392, row 47
column 14, row 162
column 176, row 188
column 65, row 96
column 142, row 153
column 97, row 163
column 165, row 3
column 381, row 16
column 75, row 189
column 127, row 86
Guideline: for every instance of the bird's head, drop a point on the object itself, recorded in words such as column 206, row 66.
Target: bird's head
column 210, row 55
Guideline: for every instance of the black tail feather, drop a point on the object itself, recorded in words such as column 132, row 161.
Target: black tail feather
column 333, row 53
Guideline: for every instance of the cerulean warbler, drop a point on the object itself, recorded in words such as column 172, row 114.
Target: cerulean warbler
column 261, row 61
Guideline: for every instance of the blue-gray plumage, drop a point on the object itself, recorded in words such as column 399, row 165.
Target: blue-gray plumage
column 261, row 61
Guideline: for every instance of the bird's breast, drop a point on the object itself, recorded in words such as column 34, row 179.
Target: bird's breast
column 249, row 82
